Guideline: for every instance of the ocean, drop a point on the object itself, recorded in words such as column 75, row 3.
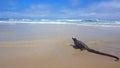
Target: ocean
column 78, row 22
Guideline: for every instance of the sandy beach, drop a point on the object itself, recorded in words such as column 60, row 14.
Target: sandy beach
column 49, row 46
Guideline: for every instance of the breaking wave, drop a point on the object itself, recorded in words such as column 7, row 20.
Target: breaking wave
column 94, row 23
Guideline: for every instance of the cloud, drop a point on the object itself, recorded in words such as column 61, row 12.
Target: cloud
column 103, row 9
column 40, row 10
column 34, row 10
column 106, row 8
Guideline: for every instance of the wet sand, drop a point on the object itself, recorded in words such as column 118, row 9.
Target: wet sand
column 49, row 46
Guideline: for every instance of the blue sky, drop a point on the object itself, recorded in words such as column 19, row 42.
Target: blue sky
column 60, row 9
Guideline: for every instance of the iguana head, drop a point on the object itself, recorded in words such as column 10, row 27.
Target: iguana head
column 74, row 39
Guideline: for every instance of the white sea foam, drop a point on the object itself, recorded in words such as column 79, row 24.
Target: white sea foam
column 67, row 22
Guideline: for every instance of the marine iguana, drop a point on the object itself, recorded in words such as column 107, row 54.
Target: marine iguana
column 82, row 46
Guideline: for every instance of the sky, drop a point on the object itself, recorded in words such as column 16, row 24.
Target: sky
column 60, row 9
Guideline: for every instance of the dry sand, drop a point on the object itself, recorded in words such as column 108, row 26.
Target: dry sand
column 54, row 53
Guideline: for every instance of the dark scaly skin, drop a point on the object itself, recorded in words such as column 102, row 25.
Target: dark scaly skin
column 80, row 45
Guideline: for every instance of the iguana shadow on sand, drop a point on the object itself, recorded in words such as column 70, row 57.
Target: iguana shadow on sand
column 82, row 46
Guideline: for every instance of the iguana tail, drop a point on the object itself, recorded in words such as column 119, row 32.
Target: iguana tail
column 105, row 54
